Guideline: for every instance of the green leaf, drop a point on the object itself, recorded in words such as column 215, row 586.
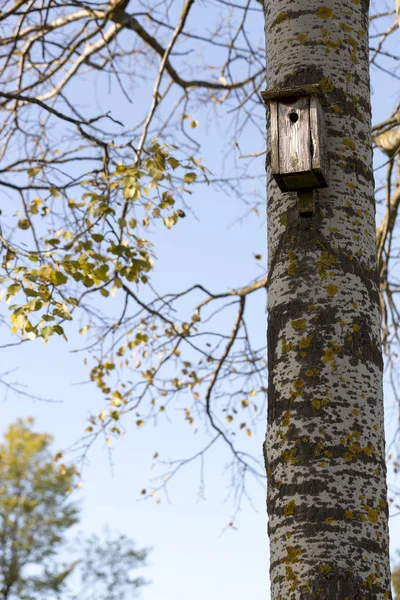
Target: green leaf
column 24, row 224
column 173, row 162
column 54, row 192
column 13, row 289
column 97, row 237
column 46, row 331
column 34, row 171
column 189, row 177
column 102, row 273
column 58, row 278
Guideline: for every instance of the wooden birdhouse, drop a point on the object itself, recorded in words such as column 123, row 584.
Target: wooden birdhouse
column 297, row 133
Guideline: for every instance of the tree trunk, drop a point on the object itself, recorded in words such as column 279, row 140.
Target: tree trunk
column 325, row 452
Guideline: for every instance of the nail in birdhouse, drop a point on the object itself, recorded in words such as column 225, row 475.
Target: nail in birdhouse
column 297, row 141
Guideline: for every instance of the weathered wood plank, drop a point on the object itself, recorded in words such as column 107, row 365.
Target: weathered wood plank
column 317, row 129
column 274, row 138
column 294, row 135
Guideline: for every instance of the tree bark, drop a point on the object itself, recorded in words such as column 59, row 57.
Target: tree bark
column 325, row 451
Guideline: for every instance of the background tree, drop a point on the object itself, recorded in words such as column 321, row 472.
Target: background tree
column 36, row 513
column 396, row 582
column 106, row 569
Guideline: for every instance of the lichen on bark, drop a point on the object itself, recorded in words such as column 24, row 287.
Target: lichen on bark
column 324, row 447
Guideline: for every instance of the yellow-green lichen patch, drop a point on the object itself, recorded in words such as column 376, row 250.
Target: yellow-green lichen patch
column 332, row 44
column 280, row 18
column 330, row 354
column 355, row 327
column 286, row 419
column 316, row 403
column 289, row 508
column 326, row 85
column 370, row 580
column 293, row 577
column 298, row 324
column 345, row 27
column 312, row 308
column 305, row 341
column 353, row 43
column 329, row 521
column 323, row 12
column 349, row 143
column 292, row 266
column 290, row 456
column 293, row 554
column 286, row 347
column 324, row 262
column 372, row 514
column 301, row 37
column 331, row 290
column 369, row 450
column 355, row 412
column 348, row 514
column 298, row 384
column 283, row 218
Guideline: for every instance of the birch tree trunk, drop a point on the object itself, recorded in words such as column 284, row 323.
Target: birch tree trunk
column 325, row 453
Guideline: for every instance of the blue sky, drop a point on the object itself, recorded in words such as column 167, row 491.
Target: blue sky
column 192, row 555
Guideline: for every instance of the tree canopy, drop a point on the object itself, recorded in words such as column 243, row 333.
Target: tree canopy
column 37, row 511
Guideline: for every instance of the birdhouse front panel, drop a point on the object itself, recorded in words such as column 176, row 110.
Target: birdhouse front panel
column 294, row 136
column 296, row 139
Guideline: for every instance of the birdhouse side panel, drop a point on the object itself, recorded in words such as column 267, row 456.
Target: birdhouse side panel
column 317, row 128
column 274, row 137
